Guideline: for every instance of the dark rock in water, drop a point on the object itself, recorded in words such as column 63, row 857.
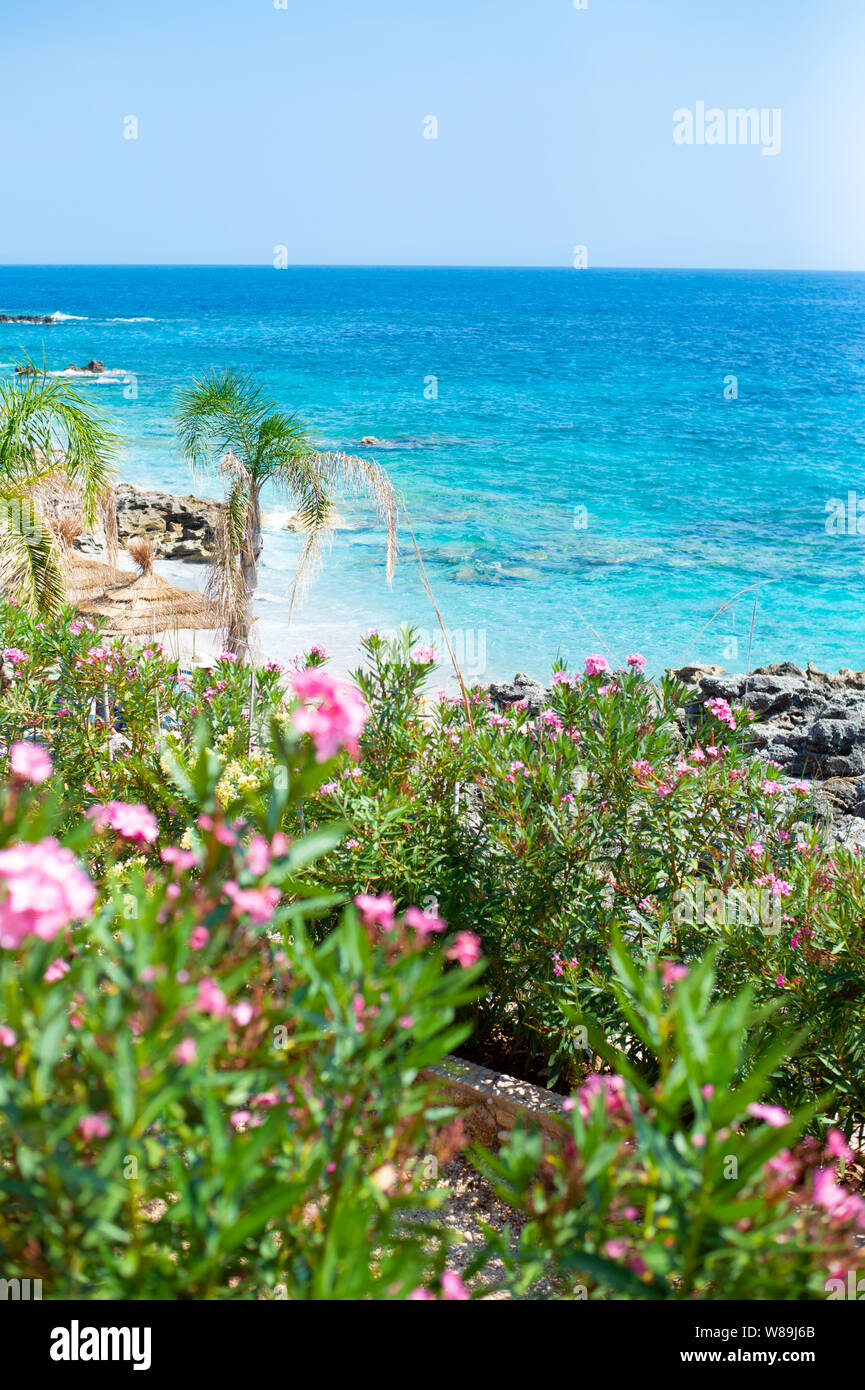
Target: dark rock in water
column 94, row 366
column 369, row 441
column 522, row 687
column 27, row 318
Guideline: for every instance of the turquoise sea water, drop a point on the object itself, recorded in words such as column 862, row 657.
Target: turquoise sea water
column 574, row 461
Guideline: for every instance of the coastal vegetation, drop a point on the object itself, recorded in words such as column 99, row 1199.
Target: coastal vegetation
column 243, row 909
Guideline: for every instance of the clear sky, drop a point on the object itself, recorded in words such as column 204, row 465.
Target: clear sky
column 303, row 127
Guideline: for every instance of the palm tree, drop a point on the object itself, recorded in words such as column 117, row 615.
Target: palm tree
column 227, row 422
column 55, row 449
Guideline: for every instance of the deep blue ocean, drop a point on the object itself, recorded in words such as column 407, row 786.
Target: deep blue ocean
column 571, row 445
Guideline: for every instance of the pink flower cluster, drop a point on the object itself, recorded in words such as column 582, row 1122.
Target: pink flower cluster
column 596, row 665
column 611, row 1087
column 44, row 890
column 258, row 904
column 132, row 822
column 333, row 712
column 30, row 762
column 722, row 712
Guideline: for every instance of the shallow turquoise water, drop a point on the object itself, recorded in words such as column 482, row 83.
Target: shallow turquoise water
column 556, row 391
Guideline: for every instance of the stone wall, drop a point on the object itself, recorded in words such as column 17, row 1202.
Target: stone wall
column 491, row 1103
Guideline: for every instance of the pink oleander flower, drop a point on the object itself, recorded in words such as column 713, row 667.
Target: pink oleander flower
column 8, row 1038
column 243, row 1013
column 611, row 1087
column 837, row 1146
column 663, row 789
column 56, row 970
column 30, row 762
column 563, row 678
column 318, row 650
column 774, row 1115
column 266, row 1099
column 770, row 787
column 258, row 904
column 453, row 1288
column 182, row 859
column 198, row 938
column 641, row 769
column 240, row 1118
column 328, row 788
column 211, row 1000
column 424, row 922
column 132, row 822
column 94, row 1126
column 596, row 665
column 375, row 911
column 672, row 972
column 44, row 890
column 420, row 1296
column 722, row 712
column 778, row 887
column 636, row 661
column 258, row 856
column 841, row 1204
column 799, row 786
column 227, row 656
column 755, row 850
column 466, row 949
column 551, row 719
column 784, row 1166
column 185, row 1052
column 423, row 656
column 336, row 721
column 14, row 655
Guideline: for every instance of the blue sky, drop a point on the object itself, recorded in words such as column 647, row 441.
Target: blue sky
column 303, row 127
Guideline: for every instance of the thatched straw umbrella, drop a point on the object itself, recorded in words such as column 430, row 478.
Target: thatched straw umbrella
column 144, row 604
column 84, row 580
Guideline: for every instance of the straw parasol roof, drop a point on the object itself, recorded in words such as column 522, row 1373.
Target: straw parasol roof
column 143, row 603
column 88, row 581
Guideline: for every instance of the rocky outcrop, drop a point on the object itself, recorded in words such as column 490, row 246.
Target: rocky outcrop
column 93, row 366
column 812, row 724
column 522, row 687
column 27, row 318
column 182, row 528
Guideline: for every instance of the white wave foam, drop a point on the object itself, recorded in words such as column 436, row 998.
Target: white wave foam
column 63, row 318
column 139, row 320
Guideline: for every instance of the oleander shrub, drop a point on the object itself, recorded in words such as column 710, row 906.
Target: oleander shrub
column 197, row 1100
column 544, row 832
column 692, row 1187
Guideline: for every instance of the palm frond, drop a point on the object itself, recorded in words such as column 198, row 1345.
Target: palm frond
column 44, row 423
column 221, row 413
column 31, row 571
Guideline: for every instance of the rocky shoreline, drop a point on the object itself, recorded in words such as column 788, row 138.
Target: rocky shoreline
column 810, row 722
column 29, row 318
column 181, row 528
